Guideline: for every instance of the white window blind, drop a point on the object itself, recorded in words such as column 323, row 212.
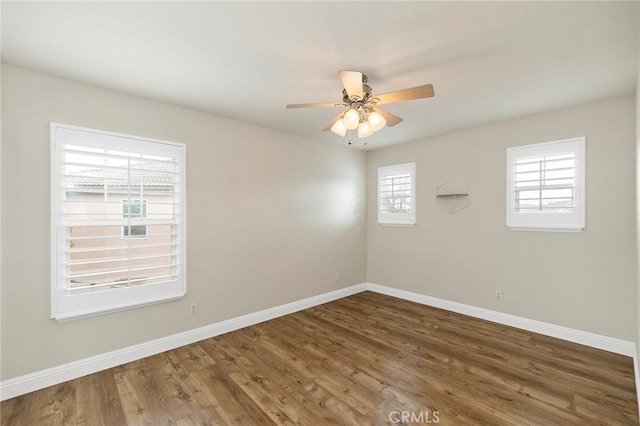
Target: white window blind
column 546, row 186
column 545, row 183
column 396, row 194
column 118, row 219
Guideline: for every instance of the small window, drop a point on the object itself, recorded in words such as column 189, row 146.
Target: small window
column 397, row 194
column 545, row 186
column 117, row 222
column 134, row 209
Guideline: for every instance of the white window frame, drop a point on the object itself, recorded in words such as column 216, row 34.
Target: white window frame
column 400, row 219
column 548, row 221
column 69, row 305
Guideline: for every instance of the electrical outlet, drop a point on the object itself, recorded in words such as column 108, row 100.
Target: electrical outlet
column 499, row 295
column 337, row 277
column 194, row 309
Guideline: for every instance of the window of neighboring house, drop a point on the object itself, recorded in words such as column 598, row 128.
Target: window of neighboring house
column 134, row 209
column 118, row 221
column 546, row 186
column 397, row 194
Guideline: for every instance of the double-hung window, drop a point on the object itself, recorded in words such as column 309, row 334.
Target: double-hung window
column 546, row 186
column 118, row 221
column 397, row 194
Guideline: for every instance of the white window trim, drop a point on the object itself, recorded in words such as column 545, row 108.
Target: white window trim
column 66, row 306
column 549, row 222
column 397, row 219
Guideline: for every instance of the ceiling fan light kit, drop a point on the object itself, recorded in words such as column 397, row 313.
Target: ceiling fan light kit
column 364, row 130
column 351, row 119
column 339, row 128
column 365, row 120
column 376, row 121
column 362, row 112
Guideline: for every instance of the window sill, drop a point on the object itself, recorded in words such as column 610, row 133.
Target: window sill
column 69, row 307
column 77, row 315
column 535, row 229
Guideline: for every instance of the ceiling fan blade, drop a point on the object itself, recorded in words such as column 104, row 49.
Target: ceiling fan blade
column 352, row 82
column 418, row 92
column 318, row 105
column 330, row 125
column 392, row 120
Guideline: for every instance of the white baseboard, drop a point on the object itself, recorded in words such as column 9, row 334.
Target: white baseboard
column 637, row 375
column 51, row 376
column 598, row 341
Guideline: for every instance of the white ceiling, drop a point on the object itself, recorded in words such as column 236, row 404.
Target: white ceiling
column 488, row 61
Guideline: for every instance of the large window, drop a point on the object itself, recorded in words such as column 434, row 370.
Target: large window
column 545, row 186
column 118, row 221
column 397, row 194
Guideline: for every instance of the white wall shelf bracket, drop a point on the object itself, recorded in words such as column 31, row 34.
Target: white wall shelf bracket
column 453, row 195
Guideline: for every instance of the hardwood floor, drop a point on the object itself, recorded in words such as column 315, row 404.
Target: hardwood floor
column 367, row 359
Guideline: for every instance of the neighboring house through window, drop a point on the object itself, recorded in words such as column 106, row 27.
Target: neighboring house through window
column 134, row 209
column 118, row 221
column 397, row 194
column 546, row 186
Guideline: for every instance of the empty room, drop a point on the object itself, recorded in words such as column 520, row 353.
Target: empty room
column 318, row 213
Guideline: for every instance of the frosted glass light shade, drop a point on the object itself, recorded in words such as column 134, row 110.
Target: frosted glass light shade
column 338, row 128
column 376, row 121
column 364, row 130
column 351, row 119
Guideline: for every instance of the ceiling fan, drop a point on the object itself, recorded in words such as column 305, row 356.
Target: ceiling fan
column 362, row 111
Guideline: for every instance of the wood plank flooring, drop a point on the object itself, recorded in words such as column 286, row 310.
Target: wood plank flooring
column 368, row 359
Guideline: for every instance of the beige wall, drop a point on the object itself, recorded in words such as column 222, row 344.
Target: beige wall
column 585, row 281
column 638, row 225
column 271, row 218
